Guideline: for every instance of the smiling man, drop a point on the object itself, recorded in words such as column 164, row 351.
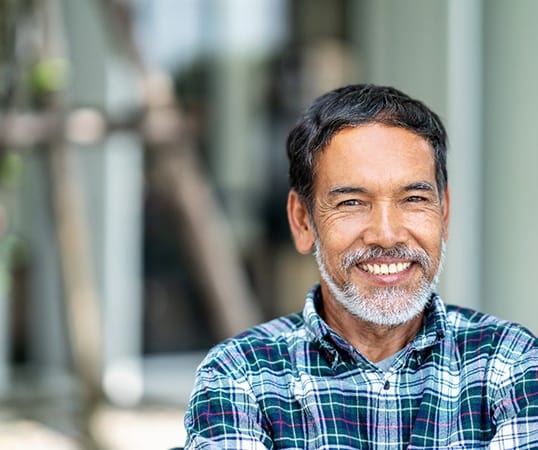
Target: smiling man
column 376, row 359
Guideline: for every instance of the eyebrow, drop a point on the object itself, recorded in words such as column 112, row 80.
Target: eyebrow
column 338, row 190
column 418, row 186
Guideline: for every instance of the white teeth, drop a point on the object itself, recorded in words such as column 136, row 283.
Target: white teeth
column 385, row 269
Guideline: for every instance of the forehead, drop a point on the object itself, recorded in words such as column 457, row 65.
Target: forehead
column 378, row 154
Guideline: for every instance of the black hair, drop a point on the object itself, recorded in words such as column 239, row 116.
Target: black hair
column 352, row 106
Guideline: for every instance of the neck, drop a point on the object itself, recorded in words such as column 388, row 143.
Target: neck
column 375, row 342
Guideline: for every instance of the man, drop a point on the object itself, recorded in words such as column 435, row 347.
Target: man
column 376, row 359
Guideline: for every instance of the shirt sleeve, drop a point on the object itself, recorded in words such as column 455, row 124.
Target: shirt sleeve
column 224, row 414
column 516, row 406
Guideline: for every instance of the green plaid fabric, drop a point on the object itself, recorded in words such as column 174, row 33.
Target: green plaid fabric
column 467, row 381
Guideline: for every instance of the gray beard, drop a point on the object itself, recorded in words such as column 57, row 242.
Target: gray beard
column 385, row 306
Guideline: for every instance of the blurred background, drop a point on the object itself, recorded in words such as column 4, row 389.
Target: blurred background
column 143, row 182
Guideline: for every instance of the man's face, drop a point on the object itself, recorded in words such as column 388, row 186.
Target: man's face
column 379, row 222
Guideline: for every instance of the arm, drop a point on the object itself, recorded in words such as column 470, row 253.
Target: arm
column 223, row 413
column 516, row 406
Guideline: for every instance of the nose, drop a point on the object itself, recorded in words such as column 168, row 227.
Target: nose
column 385, row 226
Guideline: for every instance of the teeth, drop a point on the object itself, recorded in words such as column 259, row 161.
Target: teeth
column 385, row 269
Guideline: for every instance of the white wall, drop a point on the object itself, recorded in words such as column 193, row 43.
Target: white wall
column 510, row 160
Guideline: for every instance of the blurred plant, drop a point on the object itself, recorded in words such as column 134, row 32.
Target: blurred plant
column 29, row 72
column 11, row 170
column 11, row 248
column 7, row 49
column 15, row 18
column 48, row 76
column 17, row 41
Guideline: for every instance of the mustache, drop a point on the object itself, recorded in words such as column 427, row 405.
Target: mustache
column 361, row 256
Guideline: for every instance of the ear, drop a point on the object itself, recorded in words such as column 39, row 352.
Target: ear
column 300, row 225
column 446, row 212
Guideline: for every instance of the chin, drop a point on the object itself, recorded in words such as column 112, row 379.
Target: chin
column 386, row 306
column 383, row 317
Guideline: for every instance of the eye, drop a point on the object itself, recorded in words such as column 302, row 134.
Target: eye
column 351, row 202
column 416, row 199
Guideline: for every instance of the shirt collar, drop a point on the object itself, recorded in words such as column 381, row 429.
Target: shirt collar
column 433, row 329
column 434, row 326
column 316, row 327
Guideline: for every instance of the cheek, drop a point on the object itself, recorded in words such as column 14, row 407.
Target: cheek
column 339, row 236
column 427, row 229
column 431, row 244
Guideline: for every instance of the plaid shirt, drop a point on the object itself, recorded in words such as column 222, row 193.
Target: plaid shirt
column 466, row 381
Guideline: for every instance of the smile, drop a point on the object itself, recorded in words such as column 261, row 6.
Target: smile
column 385, row 269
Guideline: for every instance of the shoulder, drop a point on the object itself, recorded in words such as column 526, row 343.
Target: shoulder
column 479, row 332
column 269, row 344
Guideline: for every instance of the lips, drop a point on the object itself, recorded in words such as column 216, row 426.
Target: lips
column 385, row 268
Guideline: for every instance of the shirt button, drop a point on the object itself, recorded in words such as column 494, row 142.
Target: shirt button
column 386, row 386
